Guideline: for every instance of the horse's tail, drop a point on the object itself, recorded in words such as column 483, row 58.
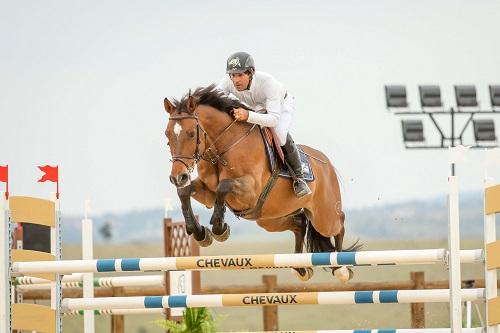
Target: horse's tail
column 356, row 246
column 315, row 242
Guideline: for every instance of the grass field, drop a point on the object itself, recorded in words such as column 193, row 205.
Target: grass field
column 312, row 317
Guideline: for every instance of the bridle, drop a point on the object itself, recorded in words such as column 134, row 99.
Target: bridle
column 210, row 154
column 196, row 156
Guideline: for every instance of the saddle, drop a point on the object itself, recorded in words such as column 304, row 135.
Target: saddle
column 278, row 169
column 277, row 160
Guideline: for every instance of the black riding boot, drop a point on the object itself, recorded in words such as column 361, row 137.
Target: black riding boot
column 293, row 159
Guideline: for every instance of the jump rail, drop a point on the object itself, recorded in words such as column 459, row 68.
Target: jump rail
column 228, row 300
column 297, row 260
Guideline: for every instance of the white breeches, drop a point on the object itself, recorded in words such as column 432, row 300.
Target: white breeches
column 286, row 119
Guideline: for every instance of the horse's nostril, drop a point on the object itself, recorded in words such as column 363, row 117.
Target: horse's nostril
column 184, row 178
column 172, row 180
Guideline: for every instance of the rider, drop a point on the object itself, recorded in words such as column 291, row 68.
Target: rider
column 261, row 90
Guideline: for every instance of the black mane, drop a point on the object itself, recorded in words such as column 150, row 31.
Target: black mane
column 211, row 96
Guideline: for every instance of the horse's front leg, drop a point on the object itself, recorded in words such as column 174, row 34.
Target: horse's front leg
column 220, row 229
column 200, row 233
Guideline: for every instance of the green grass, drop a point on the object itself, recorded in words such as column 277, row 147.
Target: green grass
column 307, row 317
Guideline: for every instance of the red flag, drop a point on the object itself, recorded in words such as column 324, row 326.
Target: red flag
column 4, row 174
column 51, row 174
column 4, row 178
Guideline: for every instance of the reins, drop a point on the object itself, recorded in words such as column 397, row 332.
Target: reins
column 210, row 154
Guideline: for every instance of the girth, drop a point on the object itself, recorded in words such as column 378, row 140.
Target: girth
column 256, row 212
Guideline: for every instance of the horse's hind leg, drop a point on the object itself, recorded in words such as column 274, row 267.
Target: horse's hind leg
column 343, row 273
column 299, row 223
column 331, row 224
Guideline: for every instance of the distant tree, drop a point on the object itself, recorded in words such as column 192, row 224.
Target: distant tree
column 106, row 231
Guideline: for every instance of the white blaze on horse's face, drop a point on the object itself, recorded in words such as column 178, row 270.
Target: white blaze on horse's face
column 182, row 138
column 177, row 129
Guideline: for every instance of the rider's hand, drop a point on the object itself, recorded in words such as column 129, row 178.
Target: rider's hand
column 240, row 114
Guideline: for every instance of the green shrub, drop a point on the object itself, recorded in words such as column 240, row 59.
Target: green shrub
column 195, row 320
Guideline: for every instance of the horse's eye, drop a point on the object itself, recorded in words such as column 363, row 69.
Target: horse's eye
column 190, row 135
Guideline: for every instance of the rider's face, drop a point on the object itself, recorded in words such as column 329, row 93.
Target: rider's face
column 240, row 80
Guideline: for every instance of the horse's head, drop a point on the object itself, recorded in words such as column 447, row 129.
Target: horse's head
column 183, row 135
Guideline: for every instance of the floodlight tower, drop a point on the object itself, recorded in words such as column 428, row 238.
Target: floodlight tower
column 431, row 105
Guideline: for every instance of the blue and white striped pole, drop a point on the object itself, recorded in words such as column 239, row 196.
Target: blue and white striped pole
column 360, row 258
column 228, row 300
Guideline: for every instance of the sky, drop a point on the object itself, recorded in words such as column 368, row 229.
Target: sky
column 82, row 86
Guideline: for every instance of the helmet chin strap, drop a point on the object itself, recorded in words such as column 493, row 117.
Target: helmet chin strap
column 251, row 78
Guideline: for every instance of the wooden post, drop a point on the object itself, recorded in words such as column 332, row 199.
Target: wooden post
column 270, row 312
column 418, row 309
column 118, row 321
column 177, row 243
column 169, row 252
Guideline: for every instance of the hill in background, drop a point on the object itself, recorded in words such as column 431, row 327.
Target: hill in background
column 424, row 219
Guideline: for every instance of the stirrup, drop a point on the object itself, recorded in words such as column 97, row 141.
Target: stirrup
column 300, row 188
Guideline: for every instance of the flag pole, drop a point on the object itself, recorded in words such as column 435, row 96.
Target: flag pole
column 4, row 177
column 7, row 184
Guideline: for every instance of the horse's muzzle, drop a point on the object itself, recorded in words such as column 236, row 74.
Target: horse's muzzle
column 181, row 180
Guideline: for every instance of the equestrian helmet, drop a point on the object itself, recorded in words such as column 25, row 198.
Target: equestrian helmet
column 240, row 62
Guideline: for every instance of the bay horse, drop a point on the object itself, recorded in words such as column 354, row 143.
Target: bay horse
column 232, row 171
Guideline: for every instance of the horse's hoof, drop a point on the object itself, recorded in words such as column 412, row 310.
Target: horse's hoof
column 303, row 274
column 343, row 274
column 207, row 239
column 224, row 235
column 351, row 273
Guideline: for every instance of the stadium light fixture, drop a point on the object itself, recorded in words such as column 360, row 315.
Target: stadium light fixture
column 395, row 96
column 495, row 97
column 413, row 131
column 430, row 96
column 466, row 96
column 484, row 130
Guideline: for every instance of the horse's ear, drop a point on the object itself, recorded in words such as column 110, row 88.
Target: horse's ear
column 191, row 104
column 169, row 107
